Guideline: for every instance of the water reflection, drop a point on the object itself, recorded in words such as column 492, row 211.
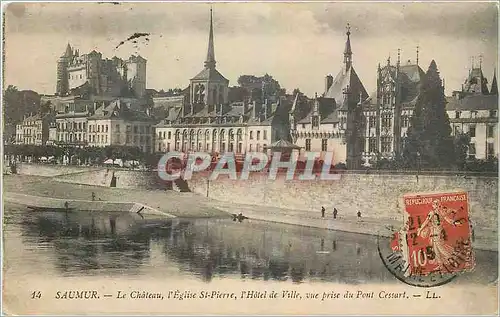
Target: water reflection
column 99, row 243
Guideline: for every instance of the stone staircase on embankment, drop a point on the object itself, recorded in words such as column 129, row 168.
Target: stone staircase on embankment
column 180, row 185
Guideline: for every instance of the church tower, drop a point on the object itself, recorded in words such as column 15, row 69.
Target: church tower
column 209, row 87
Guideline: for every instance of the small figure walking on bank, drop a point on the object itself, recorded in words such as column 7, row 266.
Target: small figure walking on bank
column 66, row 205
column 335, row 213
column 322, row 212
column 93, row 196
column 359, row 215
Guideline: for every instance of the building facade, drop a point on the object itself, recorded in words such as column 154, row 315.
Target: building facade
column 83, row 122
column 474, row 110
column 112, row 77
column 387, row 112
column 331, row 122
column 118, row 124
column 71, row 121
column 206, row 121
column 34, row 129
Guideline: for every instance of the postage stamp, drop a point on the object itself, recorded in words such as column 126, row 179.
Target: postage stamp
column 436, row 239
column 249, row 158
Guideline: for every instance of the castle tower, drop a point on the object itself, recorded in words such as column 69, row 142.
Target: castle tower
column 136, row 75
column 209, row 87
column 62, row 83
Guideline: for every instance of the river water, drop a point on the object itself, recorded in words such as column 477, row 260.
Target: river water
column 110, row 245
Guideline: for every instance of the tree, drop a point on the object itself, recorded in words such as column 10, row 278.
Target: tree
column 461, row 144
column 266, row 84
column 19, row 103
column 429, row 137
column 237, row 94
column 46, row 108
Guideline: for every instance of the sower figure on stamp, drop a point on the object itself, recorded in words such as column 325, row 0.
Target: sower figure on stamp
column 432, row 228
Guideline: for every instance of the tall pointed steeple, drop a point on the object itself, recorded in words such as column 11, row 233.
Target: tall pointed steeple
column 347, row 50
column 69, row 51
column 494, row 87
column 210, row 61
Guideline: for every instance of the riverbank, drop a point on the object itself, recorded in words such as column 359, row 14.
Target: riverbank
column 191, row 205
column 483, row 240
column 185, row 205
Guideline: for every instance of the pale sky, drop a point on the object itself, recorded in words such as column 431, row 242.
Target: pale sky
column 296, row 43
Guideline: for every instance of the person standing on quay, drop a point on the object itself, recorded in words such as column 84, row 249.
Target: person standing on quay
column 322, row 212
column 335, row 213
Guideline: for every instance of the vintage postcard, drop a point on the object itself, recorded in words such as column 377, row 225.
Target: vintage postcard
column 250, row 158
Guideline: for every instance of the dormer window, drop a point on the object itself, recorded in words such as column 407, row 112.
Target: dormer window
column 315, row 122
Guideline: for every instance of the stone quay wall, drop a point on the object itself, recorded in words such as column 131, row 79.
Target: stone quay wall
column 375, row 195
column 97, row 176
column 50, row 170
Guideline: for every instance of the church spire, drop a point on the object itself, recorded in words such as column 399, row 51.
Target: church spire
column 347, row 50
column 210, row 61
column 494, row 87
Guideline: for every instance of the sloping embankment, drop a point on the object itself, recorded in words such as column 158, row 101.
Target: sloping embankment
column 82, row 205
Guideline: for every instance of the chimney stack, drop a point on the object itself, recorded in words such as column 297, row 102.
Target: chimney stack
column 328, row 82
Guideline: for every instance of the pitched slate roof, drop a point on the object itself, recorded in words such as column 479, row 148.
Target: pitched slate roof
column 210, row 74
column 282, row 144
column 473, row 102
column 472, row 85
column 117, row 110
column 343, row 80
column 411, row 80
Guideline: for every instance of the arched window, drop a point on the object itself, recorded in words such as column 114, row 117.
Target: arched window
column 231, row 135
column 207, row 134
column 251, row 135
column 239, row 135
column 214, row 134
column 184, row 134
column 222, row 134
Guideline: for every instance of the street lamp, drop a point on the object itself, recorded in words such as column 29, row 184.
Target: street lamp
column 418, row 164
